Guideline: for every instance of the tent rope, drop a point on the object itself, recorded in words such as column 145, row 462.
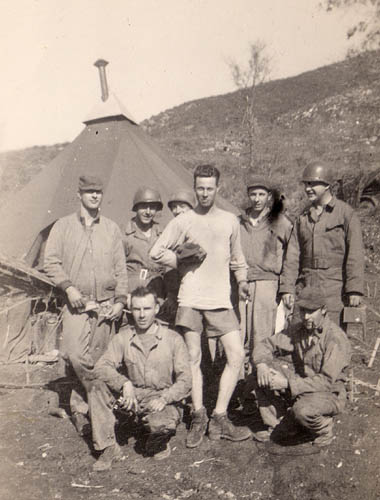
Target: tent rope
column 7, row 309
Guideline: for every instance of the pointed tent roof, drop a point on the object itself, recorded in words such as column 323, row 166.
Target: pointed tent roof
column 111, row 146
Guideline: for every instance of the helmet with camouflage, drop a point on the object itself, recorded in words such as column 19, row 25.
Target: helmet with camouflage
column 147, row 194
column 318, row 171
column 184, row 196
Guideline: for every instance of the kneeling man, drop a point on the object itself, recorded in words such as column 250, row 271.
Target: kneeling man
column 312, row 383
column 156, row 376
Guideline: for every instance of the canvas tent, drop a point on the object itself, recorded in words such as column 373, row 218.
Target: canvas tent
column 112, row 146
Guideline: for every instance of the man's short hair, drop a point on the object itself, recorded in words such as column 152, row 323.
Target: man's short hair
column 206, row 171
column 143, row 291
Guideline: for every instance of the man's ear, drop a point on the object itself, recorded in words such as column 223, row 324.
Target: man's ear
column 156, row 308
column 79, row 195
column 324, row 310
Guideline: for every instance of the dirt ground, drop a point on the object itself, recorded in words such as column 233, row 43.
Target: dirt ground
column 41, row 456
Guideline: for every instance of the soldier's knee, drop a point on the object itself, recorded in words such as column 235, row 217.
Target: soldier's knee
column 235, row 355
column 163, row 421
column 301, row 412
column 195, row 355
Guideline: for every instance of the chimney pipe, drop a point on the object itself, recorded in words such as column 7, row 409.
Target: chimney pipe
column 101, row 65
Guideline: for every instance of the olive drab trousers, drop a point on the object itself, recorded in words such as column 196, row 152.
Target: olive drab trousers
column 101, row 403
column 85, row 338
column 258, row 315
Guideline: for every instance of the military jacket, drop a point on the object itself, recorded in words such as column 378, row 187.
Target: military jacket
column 265, row 245
column 320, row 359
column 326, row 250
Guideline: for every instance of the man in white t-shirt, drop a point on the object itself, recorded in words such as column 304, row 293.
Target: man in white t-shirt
column 204, row 298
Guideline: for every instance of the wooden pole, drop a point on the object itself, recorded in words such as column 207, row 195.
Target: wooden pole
column 372, row 358
column 377, row 388
column 27, row 370
column 352, row 387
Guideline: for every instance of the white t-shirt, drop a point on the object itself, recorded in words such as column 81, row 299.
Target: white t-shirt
column 205, row 286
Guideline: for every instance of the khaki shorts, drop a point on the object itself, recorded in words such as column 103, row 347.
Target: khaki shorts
column 215, row 322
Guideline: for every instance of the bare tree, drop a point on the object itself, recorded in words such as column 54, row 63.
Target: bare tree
column 247, row 78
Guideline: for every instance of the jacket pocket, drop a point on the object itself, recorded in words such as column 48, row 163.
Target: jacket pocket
column 110, row 284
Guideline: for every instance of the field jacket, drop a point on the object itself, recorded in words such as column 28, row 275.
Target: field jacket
column 165, row 368
column 70, row 241
column 320, row 359
column 136, row 248
column 326, row 248
column 265, row 245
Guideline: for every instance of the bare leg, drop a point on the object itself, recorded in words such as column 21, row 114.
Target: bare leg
column 235, row 358
column 193, row 342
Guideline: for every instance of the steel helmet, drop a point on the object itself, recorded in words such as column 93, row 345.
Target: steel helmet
column 147, row 194
column 183, row 195
column 258, row 181
column 318, row 172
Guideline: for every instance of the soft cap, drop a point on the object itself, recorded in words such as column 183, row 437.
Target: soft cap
column 311, row 298
column 88, row 182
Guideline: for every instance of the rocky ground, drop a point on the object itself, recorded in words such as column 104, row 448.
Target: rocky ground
column 41, row 455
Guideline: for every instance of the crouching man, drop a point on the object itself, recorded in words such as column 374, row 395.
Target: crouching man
column 157, row 376
column 312, row 383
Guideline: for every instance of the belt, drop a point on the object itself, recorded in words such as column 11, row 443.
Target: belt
column 321, row 263
column 145, row 274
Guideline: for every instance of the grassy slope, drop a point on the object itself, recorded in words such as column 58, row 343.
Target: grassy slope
column 329, row 113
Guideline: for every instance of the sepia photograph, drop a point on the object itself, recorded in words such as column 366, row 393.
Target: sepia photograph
column 190, row 250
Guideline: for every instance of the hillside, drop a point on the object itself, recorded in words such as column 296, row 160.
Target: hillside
column 331, row 113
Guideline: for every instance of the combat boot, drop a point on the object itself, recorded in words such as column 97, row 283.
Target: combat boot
column 198, row 428
column 81, row 424
column 157, row 445
column 110, row 455
column 221, row 427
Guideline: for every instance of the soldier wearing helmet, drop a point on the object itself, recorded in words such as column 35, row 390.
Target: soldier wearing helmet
column 309, row 377
column 181, row 201
column 265, row 234
column 328, row 247
column 139, row 235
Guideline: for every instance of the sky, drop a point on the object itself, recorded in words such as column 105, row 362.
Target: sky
column 161, row 53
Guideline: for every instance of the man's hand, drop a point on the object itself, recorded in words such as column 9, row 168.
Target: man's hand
column 288, row 300
column 129, row 396
column 263, row 375
column 278, row 381
column 244, row 291
column 75, row 297
column 157, row 404
column 355, row 300
column 115, row 312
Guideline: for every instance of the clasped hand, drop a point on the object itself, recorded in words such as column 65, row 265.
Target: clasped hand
column 270, row 378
